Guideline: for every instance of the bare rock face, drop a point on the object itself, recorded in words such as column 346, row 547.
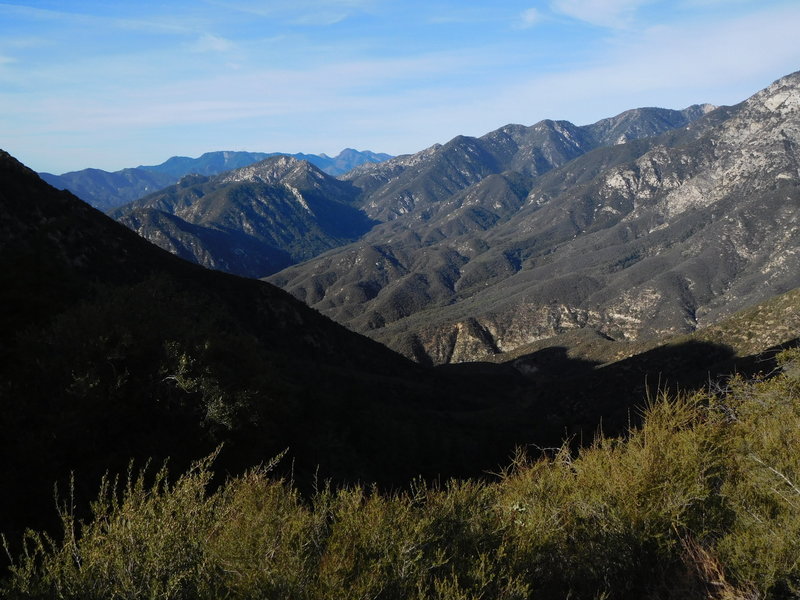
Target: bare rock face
column 281, row 170
column 650, row 237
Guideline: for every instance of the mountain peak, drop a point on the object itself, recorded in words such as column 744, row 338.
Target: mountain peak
column 271, row 170
column 782, row 96
column 703, row 109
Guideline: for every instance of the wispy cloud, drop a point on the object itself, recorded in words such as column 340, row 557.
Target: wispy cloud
column 29, row 11
column 211, row 43
column 24, row 42
column 288, row 95
column 300, row 12
column 465, row 14
column 64, row 17
column 528, row 18
column 711, row 3
column 661, row 66
column 321, row 18
column 604, row 13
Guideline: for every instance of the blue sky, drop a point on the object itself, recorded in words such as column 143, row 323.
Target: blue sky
column 91, row 83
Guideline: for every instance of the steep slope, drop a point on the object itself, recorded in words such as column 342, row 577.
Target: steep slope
column 774, row 323
column 643, row 123
column 112, row 349
column 703, row 223
column 251, row 221
column 425, row 187
column 645, row 238
column 590, row 380
column 225, row 250
column 452, row 192
column 109, row 190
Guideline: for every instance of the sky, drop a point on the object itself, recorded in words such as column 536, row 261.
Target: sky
column 93, row 83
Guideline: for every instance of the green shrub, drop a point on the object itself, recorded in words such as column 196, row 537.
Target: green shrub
column 702, row 501
column 143, row 541
column 763, row 484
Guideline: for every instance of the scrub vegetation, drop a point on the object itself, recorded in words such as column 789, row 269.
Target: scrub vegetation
column 701, row 501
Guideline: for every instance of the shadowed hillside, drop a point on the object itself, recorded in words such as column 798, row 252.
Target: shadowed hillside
column 113, row 350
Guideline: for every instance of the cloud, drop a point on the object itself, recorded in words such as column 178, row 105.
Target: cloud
column 299, row 12
column 321, row 19
column 528, row 18
column 25, row 42
column 721, row 62
column 31, row 12
column 211, row 43
column 605, row 13
column 294, row 91
column 75, row 18
column 287, row 95
column 464, row 15
column 711, row 3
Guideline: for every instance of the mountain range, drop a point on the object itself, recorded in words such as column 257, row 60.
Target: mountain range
column 490, row 244
column 109, row 190
column 651, row 223
column 272, row 234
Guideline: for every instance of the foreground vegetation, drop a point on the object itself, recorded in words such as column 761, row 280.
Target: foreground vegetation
column 702, row 501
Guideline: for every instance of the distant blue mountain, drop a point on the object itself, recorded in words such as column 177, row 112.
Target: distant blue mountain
column 109, row 190
column 213, row 163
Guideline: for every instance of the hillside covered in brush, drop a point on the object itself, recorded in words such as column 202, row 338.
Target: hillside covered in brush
column 699, row 502
column 652, row 223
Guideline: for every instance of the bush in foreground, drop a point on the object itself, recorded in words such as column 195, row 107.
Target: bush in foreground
column 703, row 501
